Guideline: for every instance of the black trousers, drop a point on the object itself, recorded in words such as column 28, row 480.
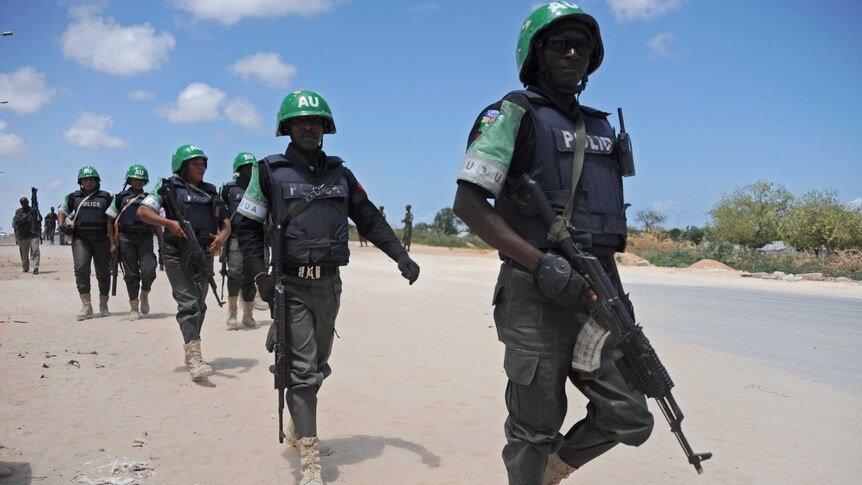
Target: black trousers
column 139, row 263
column 539, row 338
column 98, row 251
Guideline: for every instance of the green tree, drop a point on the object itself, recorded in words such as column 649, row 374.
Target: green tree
column 447, row 222
column 818, row 220
column 693, row 234
column 751, row 215
column 650, row 219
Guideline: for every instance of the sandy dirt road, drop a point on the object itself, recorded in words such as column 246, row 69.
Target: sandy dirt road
column 416, row 395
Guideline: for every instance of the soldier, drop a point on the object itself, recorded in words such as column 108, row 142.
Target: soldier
column 231, row 194
column 50, row 225
column 134, row 239
column 407, row 236
column 314, row 244
column 540, row 302
column 27, row 236
column 82, row 216
column 198, row 201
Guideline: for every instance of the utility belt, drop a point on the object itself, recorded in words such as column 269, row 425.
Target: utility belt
column 311, row 272
column 511, row 262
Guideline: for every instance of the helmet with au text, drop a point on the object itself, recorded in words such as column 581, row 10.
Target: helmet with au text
column 138, row 171
column 540, row 20
column 243, row 158
column 88, row 171
column 304, row 102
column 184, row 153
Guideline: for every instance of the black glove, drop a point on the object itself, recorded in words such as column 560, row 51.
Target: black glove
column 271, row 337
column 558, row 281
column 265, row 287
column 67, row 229
column 409, row 269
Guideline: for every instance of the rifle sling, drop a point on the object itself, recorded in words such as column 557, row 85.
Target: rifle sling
column 331, row 178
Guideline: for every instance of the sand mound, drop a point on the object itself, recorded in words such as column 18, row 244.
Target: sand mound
column 711, row 264
column 629, row 259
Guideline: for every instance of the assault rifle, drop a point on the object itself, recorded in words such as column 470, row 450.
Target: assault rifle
column 115, row 269
column 280, row 369
column 191, row 245
column 641, row 366
column 223, row 271
column 115, row 258
column 35, row 216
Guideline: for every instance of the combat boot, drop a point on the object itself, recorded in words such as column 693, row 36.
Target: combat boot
column 103, row 306
column 260, row 304
column 198, row 369
column 145, row 302
column 309, row 456
column 134, row 313
column 248, row 315
column 87, row 308
column 556, row 470
column 231, row 312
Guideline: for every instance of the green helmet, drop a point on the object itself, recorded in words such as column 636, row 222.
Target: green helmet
column 243, row 158
column 138, row 171
column 183, row 153
column 88, row 171
column 304, row 103
column 539, row 21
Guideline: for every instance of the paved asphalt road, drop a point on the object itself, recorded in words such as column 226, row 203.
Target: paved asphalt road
column 813, row 336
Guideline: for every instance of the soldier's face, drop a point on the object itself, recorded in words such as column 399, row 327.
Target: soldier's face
column 306, row 132
column 197, row 167
column 88, row 183
column 565, row 53
column 137, row 183
column 245, row 172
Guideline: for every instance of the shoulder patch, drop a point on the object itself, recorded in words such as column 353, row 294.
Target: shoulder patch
column 488, row 117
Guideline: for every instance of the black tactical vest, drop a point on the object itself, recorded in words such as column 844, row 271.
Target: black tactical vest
column 599, row 212
column 130, row 223
column 91, row 220
column 318, row 234
column 198, row 207
column 232, row 192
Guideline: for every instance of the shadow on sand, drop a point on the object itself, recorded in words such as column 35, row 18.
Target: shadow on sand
column 15, row 473
column 356, row 449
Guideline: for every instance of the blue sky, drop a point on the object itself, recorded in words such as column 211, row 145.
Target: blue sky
column 715, row 94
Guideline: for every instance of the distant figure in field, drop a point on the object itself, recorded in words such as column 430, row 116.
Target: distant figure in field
column 408, row 228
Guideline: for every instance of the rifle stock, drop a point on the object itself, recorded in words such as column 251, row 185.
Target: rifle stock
column 642, row 368
column 191, row 245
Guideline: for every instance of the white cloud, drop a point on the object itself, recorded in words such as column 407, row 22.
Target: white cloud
column 424, row 7
column 659, row 46
column 88, row 131
column 229, row 12
column 101, row 44
column 56, row 183
column 267, row 67
column 140, row 95
column 25, row 90
column 196, row 103
column 632, row 10
column 857, row 202
column 242, row 112
column 10, row 143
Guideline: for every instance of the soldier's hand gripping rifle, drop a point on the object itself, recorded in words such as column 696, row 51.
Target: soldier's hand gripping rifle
column 191, row 245
column 641, row 367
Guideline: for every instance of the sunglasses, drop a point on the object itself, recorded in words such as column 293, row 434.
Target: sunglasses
column 562, row 44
